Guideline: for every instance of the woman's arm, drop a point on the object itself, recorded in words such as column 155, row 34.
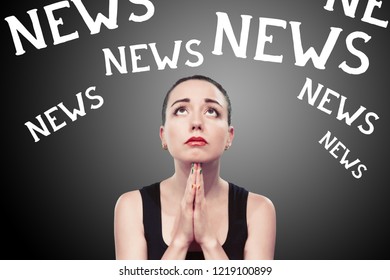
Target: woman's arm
column 261, row 220
column 129, row 234
column 130, row 241
column 184, row 231
column 206, row 238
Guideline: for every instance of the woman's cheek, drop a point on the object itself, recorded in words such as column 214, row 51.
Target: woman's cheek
column 174, row 137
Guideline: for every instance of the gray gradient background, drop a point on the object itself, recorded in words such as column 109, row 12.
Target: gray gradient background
column 58, row 195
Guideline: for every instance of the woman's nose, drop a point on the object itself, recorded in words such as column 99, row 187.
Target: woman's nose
column 196, row 126
column 196, row 122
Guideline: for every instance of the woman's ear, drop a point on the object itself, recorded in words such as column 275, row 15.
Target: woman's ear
column 230, row 137
column 162, row 137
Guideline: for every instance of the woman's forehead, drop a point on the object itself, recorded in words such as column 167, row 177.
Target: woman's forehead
column 196, row 89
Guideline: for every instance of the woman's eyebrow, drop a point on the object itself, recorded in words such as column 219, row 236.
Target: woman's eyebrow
column 206, row 100
column 181, row 100
column 209, row 100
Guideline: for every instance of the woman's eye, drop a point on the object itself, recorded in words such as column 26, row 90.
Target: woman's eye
column 180, row 111
column 212, row 112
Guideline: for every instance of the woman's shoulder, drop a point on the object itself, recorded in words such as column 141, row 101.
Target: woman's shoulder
column 259, row 206
column 261, row 223
column 133, row 198
column 128, row 197
column 259, row 200
column 254, row 200
column 128, row 226
column 129, row 202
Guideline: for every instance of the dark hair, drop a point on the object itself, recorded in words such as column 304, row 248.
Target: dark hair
column 202, row 78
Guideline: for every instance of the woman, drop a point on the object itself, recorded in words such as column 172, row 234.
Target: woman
column 195, row 214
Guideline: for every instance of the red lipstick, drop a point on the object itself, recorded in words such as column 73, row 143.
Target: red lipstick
column 196, row 141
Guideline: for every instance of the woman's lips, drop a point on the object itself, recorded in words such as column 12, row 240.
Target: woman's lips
column 196, row 141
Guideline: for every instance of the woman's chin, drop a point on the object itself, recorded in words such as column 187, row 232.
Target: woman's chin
column 198, row 159
column 196, row 155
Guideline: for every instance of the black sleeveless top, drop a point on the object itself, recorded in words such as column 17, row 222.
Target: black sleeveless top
column 237, row 228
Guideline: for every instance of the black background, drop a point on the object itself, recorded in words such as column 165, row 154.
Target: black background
column 58, row 195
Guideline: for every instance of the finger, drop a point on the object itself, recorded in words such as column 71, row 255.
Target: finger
column 195, row 172
column 199, row 186
column 190, row 197
column 201, row 183
column 198, row 170
column 190, row 179
column 190, row 188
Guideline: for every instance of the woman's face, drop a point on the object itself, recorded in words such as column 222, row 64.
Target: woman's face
column 196, row 127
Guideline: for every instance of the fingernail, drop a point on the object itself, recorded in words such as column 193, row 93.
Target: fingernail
column 198, row 187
